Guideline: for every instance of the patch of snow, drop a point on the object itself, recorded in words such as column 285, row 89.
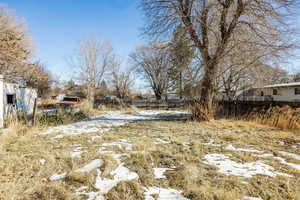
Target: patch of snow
column 292, row 155
column 92, row 165
column 251, row 198
column 97, row 137
column 82, row 188
column 102, row 151
column 42, row 161
column 104, row 185
column 56, row 177
column 77, row 152
column 104, row 122
column 211, row 143
column 58, row 137
column 247, row 170
column 186, row 144
column 121, row 173
column 281, row 160
column 122, row 144
column 160, row 141
column 159, row 172
column 266, row 155
column 280, row 143
column 232, row 148
column 163, row 194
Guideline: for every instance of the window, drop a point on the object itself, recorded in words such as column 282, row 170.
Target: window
column 275, row 92
column 297, row 91
column 10, row 98
column 71, row 99
column 262, row 93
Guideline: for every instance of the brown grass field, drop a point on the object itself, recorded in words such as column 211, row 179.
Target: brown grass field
column 28, row 160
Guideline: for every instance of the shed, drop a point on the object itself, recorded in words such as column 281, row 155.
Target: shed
column 14, row 97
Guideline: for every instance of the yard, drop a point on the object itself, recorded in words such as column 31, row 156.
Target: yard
column 151, row 155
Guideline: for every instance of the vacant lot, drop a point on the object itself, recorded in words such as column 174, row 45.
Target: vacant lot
column 151, row 155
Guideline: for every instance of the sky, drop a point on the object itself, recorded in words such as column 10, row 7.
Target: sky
column 58, row 25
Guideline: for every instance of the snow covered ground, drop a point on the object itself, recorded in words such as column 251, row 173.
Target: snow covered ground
column 233, row 148
column 104, row 122
column 247, row 170
column 159, row 172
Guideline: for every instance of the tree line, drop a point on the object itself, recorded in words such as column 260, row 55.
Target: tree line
column 197, row 49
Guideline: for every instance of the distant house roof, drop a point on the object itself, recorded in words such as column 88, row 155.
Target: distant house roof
column 283, row 85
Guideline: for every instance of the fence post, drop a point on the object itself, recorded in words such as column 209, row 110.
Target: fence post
column 34, row 112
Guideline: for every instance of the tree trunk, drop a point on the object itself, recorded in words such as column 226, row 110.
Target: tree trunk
column 203, row 109
column 91, row 96
column 180, row 85
column 158, row 97
column 158, row 94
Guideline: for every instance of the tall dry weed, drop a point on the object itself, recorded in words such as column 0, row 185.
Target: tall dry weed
column 281, row 117
column 201, row 113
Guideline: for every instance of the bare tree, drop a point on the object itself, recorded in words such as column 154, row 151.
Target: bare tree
column 182, row 55
column 15, row 43
column 216, row 27
column 121, row 81
column 16, row 50
column 93, row 59
column 153, row 63
column 37, row 76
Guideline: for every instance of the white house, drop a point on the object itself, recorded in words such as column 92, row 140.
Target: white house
column 14, row 97
column 286, row 92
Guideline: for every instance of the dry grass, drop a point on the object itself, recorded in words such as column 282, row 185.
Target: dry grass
column 131, row 190
column 23, row 177
column 201, row 113
column 286, row 118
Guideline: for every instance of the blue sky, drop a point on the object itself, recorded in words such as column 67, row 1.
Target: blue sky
column 58, row 25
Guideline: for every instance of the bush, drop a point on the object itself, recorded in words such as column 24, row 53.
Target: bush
column 79, row 116
column 50, row 120
column 64, row 116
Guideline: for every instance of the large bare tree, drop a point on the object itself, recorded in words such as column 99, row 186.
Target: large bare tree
column 153, row 64
column 92, row 60
column 217, row 27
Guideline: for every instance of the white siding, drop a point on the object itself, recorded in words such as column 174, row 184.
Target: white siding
column 284, row 93
column 26, row 95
